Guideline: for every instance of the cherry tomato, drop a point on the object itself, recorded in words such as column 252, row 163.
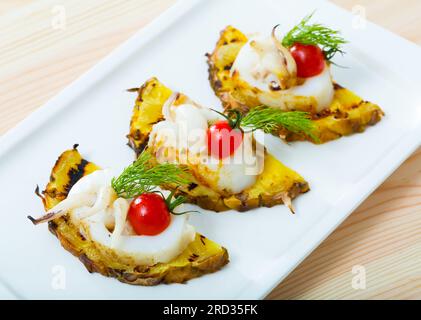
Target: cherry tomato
column 310, row 60
column 148, row 214
column 223, row 140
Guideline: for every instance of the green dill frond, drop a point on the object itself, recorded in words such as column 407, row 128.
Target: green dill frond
column 144, row 176
column 328, row 39
column 270, row 120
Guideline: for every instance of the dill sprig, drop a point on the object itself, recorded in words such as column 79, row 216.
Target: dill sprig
column 270, row 120
column 144, row 176
column 328, row 39
column 173, row 202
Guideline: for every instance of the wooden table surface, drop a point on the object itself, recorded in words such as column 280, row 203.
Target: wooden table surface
column 382, row 235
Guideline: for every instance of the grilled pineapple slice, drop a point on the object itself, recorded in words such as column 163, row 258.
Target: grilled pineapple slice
column 348, row 113
column 202, row 256
column 277, row 184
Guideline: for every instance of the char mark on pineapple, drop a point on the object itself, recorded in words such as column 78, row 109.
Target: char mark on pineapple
column 75, row 174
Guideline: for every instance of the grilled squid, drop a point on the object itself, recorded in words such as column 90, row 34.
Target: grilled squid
column 101, row 216
column 268, row 69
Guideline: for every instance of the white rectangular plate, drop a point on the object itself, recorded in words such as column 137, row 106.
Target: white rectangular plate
column 264, row 244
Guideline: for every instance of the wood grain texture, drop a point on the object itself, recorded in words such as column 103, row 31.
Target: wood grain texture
column 383, row 234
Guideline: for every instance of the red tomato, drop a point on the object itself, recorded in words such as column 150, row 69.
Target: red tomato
column 148, row 214
column 310, row 60
column 223, row 140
